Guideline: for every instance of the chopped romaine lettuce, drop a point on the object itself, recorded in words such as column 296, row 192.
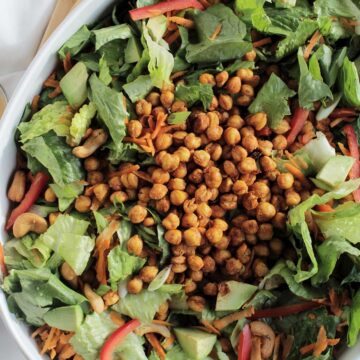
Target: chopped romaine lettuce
column 138, row 88
column 178, row 118
column 66, row 194
column 264, row 100
column 56, row 117
column 192, row 94
column 76, row 43
column 81, row 122
column 104, row 71
column 349, row 83
column 56, row 156
column 108, row 34
column 66, row 237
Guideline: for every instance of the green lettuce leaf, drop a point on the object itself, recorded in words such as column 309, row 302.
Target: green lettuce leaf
column 310, row 88
column 281, row 273
column 104, row 71
column 264, row 100
column 81, row 122
column 110, row 106
column 299, row 227
column 26, row 253
column 178, row 118
column 91, row 335
column 108, row 34
column 329, row 253
column 33, row 292
column 101, row 222
column 253, row 13
column 131, row 348
column 66, row 237
column 128, row 152
column 56, row 156
column 76, row 43
column 56, row 117
column 121, row 264
column 229, row 43
column 176, row 353
column 161, row 61
column 142, row 306
column 138, row 88
column 192, row 94
column 66, row 194
column 354, row 320
column 343, row 222
column 349, row 83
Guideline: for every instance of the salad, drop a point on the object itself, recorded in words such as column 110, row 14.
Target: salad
column 187, row 185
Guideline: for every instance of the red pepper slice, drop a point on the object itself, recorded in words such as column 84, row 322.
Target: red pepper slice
column 354, row 152
column 324, row 208
column 244, row 347
column 297, row 123
column 162, row 8
column 343, row 112
column 37, row 186
column 284, row 310
column 116, row 338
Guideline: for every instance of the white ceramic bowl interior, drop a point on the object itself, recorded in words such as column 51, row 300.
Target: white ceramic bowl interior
column 86, row 12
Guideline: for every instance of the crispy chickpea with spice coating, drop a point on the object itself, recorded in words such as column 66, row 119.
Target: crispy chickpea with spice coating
column 148, row 273
column 137, row 214
column 135, row 245
column 171, row 222
column 192, row 237
column 173, row 236
column 285, row 181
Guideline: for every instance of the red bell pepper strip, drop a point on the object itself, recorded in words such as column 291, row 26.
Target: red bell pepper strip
column 354, row 152
column 162, row 8
column 284, row 310
column 324, row 208
column 297, row 123
column 343, row 112
column 116, row 338
column 37, row 186
column 244, row 347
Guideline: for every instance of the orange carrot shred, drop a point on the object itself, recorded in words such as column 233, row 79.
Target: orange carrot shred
column 324, row 208
column 67, row 62
column 35, row 103
column 155, row 343
column 139, row 141
column 343, row 149
column 48, row 341
column 143, row 175
column 297, row 174
column 172, row 37
column 125, row 170
column 160, row 121
column 151, row 123
column 50, row 82
column 161, row 322
column 210, row 327
column 216, row 32
column 177, row 74
column 168, row 342
column 57, row 91
column 313, row 41
column 189, row 24
column 262, row 42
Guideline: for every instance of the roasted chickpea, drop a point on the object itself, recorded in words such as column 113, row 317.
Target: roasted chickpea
column 204, row 210
column 221, row 78
column 192, row 237
column 282, row 128
column 234, row 266
column 49, row 195
column 180, row 171
column 135, row 245
column 201, row 123
column 250, row 56
column 292, row 198
column 214, row 151
column 196, row 303
column 220, row 256
column 226, row 185
column 135, row 285
column 143, row 107
column 267, row 163
column 249, row 143
column 208, row 79
column 247, row 90
column 137, row 214
column 170, row 162
column 160, row 176
column 285, row 181
column 258, row 121
column 210, row 289
column 265, row 232
column 265, row 211
column 240, row 187
column 232, row 136
column 134, row 128
column 250, row 227
column 228, row 201
column 163, row 141
column 195, row 262
column 192, row 142
column 183, row 153
column 176, row 184
column 225, row 101
column 148, row 273
column 153, row 98
column 233, row 86
column 260, row 268
column 129, row 181
column 276, row 246
column 91, row 163
column 245, row 74
column 119, row 197
column 167, row 98
column 247, row 166
column 189, row 220
column 214, row 234
column 235, row 121
column 173, row 237
column 201, row 158
column 214, row 133
column 244, row 100
column 212, row 177
column 260, row 189
column 178, row 106
column 83, row 204
column 95, row 177
column 177, row 197
column 209, row 264
column 265, row 146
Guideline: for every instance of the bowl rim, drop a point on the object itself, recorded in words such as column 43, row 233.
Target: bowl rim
column 8, row 122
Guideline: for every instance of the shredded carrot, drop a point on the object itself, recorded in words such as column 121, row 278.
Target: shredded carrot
column 336, row 122
column 127, row 169
column 189, row 24
column 178, row 74
column 2, row 261
column 172, row 37
column 307, row 137
column 139, row 141
column 50, row 82
column 210, row 327
column 35, row 103
column 67, row 62
column 116, row 318
column 322, row 342
column 48, row 341
column 297, row 174
column 38, row 331
column 143, row 175
column 168, row 342
column 216, row 32
column 324, row 208
column 151, row 123
column 262, row 42
column 335, row 305
column 343, row 149
column 103, row 242
column 155, row 343
column 57, row 91
column 160, row 121
column 161, row 322
column 313, row 41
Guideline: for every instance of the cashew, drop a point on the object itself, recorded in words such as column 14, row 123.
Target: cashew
column 93, row 142
column 267, row 335
column 69, row 274
column 27, row 222
column 17, row 188
column 96, row 301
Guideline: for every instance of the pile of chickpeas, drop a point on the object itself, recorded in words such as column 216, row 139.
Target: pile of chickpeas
column 215, row 184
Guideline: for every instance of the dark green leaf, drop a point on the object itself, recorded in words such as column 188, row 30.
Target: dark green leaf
column 178, row 118
column 76, row 43
column 107, row 34
column 195, row 93
column 138, row 88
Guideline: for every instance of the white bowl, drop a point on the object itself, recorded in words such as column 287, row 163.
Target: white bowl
column 85, row 13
